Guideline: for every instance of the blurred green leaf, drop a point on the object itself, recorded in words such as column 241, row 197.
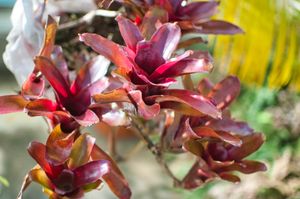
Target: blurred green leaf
column 4, row 181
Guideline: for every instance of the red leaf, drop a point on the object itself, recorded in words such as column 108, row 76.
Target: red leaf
column 12, row 103
column 94, row 88
column 38, row 152
column 182, row 67
column 59, row 146
column 230, row 177
column 88, row 118
column 114, row 178
column 90, row 73
column 204, row 132
column 117, row 185
column 60, row 62
column 251, row 143
column 198, row 174
column 169, row 64
column 144, row 110
column 108, row 49
column 98, row 154
column 41, row 107
column 53, row 75
column 130, row 32
column 191, row 99
column 33, row 87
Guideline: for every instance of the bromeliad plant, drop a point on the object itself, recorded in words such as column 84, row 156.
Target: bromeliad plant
column 196, row 120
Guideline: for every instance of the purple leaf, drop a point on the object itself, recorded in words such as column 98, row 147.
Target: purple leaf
column 198, row 11
column 229, row 125
column 245, row 166
column 217, row 27
column 204, row 132
column 165, row 39
column 225, row 92
column 91, row 172
column 148, row 57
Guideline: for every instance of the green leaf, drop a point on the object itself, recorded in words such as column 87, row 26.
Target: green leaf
column 4, row 181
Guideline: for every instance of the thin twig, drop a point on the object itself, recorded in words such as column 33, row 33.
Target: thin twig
column 88, row 18
column 155, row 150
column 112, row 143
column 112, row 146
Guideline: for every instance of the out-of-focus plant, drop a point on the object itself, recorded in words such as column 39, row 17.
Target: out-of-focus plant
column 269, row 53
column 282, row 182
column 286, row 114
column 136, row 93
column 26, row 36
column 4, row 181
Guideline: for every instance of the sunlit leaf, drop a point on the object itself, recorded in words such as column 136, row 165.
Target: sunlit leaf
column 81, row 151
column 12, row 103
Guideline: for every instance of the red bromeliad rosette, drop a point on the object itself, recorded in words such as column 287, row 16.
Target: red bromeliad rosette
column 220, row 145
column 72, row 103
column 147, row 69
column 197, row 119
column 71, row 164
column 191, row 17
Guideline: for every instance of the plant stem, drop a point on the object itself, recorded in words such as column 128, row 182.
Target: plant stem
column 88, row 18
column 155, row 150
